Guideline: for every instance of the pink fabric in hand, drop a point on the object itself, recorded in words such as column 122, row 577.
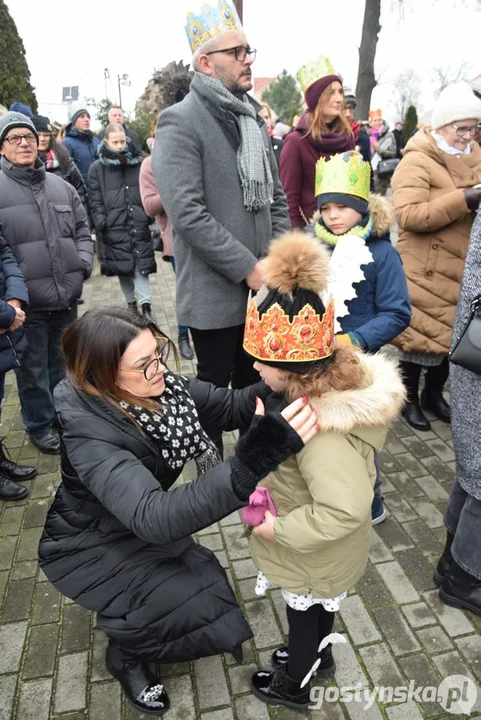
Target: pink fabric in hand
column 259, row 501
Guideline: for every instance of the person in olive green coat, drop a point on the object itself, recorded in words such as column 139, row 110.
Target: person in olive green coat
column 316, row 544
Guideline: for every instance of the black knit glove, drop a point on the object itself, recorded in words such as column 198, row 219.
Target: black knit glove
column 269, row 441
column 473, row 197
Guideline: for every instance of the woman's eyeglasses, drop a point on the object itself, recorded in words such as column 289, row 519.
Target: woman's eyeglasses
column 462, row 130
column 151, row 368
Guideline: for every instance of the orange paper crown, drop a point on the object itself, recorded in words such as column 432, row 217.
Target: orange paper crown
column 275, row 337
column 375, row 114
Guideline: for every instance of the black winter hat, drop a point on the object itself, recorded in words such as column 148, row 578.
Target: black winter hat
column 42, row 123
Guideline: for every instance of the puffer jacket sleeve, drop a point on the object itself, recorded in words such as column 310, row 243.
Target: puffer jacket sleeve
column 15, row 286
column 83, row 238
column 339, row 484
column 414, row 209
column 224, row 408
column 96, row 201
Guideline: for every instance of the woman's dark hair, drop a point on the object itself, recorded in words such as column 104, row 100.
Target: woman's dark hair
column 92, row 347
column 61, row 153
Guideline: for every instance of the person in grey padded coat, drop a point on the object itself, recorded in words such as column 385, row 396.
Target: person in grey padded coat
column 216, row 173
column 120, row 219
column 46, row 227
column 117, row 538
column 459, row 569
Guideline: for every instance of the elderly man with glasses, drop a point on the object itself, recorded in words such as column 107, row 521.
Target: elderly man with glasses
column 45, row 225
column 218, row 179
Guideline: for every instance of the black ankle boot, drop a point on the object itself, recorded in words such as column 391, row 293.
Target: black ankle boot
column 444, row 561
column 133, row 306
column 10, row 490
column 138, row 682
column 460, row 589
column 432, row 395
column 277, row 688
column 11, row 470
column 147, row 312
column 184, row 346
column 327, row 668
column 412, row 410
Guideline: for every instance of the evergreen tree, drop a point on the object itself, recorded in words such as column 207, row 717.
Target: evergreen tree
column 410, row 123
column 284, row 97
column 14, row 73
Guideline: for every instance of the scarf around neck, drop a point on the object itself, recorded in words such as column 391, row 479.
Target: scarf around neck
column 107, row 156
column 252, row 156
column 331, row 142
column 175, row 427
column 49, row 159
column 442, row 144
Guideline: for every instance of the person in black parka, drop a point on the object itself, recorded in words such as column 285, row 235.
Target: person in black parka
column 116, row 540
column 120, row 219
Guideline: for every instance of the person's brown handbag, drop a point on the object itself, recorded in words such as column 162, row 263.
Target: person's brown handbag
column 467, row 351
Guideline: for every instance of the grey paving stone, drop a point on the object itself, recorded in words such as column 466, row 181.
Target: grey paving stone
column 393, row 535
column 7, row 551
column 41, row 651
column 371, row 587
column 3, row 584
column 378, row 551
column 247, row 589
column 418, row 615
column 423, row 537
column 398, row 507
column 451, row 663
column 211, row 683
column 470, row 647
column 404, row 711
column 395, row 445
column 409, row 464
column 328, row 711
column 7, row 694
column 358, row 622
column 11, row 521
column 363, row 709
column 12, row 638
column 280, row 607
column 406, row 485
column 250, row 708
column 213, row 542
column 419, row 669
column 432, row 488
column 349, row 672
column 71, row 689
column 221, row 556
column 380, row 665
column 396, row 630
column 454, row 621
column 430, row 514
column 46, row 605
column 236, row 545
column 239, row 678
column 104, row 701
column 441, row 449
column 25, row 569
column 434, row 640
column 18, row 600
column 248, row 654
column 389, row 463
column 28, row 544
column 224, row 714
column 416, row 446
column 34, row 702
column 438, row 469
column 397, row 582
column 36, row 513
column 75, row 629
column 244, row 569
column 417, row 567
column 263, row 623
column 233, row 519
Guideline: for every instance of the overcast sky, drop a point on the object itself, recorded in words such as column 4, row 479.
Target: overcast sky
column 75, row 42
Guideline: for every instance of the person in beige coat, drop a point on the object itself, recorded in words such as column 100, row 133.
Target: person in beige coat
column 316, row 547
column 435, row 197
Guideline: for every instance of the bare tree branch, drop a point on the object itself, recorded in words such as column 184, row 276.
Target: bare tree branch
column 444, row 75
column 407, row 91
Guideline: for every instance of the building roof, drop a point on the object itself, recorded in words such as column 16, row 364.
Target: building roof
column 261, row 84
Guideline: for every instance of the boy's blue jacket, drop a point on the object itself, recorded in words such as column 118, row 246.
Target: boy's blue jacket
column 12, row 285
column 381, row 309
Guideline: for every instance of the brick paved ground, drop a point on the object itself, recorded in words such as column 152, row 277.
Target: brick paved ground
column 51, row 658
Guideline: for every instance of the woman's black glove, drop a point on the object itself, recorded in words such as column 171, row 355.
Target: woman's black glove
column 473, row 197
column 269, row 441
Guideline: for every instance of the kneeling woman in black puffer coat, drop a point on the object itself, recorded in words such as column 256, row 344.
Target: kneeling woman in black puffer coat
column 115, row 540
column 120, row 219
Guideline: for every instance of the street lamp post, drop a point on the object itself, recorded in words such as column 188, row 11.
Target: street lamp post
column 239, row 8
column 122, row 80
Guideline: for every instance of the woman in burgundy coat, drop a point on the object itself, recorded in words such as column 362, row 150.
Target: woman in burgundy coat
column 322, row 131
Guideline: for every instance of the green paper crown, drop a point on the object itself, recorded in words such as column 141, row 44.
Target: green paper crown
column 345, row 173
column 313, row 70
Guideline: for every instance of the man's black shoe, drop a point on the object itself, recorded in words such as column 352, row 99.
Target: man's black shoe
column 48, row 444
column 10, row 490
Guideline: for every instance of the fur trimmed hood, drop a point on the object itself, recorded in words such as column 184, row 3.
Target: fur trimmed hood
column 372, row 406
column 381, row 212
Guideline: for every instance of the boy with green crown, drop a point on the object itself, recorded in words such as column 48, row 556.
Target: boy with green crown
column 367, row 280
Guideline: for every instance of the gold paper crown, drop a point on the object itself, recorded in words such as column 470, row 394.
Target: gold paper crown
column 211, row 21
column 275, row 337
column 345, row 173
column 313, row 70
column 375, row 114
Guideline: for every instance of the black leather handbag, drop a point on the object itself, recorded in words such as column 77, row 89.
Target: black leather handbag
column 467, row 351
column 387, row 167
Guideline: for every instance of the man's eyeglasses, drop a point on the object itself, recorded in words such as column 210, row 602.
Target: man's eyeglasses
column 151, row 368
column 17, row 139
column 462, row 130
column 240, row 52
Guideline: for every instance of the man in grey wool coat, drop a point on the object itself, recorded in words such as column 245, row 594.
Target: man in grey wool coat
column 219, row 184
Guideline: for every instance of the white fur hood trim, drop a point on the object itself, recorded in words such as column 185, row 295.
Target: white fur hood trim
column 376, row 404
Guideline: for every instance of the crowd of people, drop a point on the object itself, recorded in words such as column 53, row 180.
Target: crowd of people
column 289, row 285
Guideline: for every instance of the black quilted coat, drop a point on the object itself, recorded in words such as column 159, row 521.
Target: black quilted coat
column 116, row 545
column 118, row 214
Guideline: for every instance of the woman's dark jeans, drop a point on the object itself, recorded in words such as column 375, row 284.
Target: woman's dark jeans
column 463, row 519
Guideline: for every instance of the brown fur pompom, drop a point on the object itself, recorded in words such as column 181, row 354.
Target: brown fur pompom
column 297, row 260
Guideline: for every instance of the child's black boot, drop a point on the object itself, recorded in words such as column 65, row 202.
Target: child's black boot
column 326, row 669
column 277, row 688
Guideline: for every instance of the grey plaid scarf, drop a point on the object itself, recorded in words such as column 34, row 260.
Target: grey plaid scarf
column 252, row 156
